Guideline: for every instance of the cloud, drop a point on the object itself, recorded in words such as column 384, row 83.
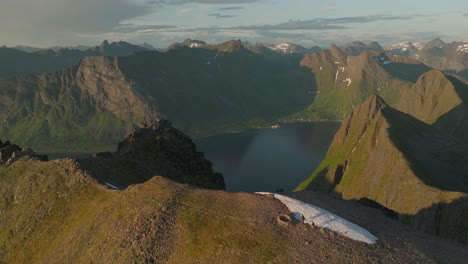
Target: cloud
column 229, row 8
column 466, row 14
column 211, row 2
column 40, row 22
column 275, row 34
column 218, row 15
column 130, row 28
column 323, row 23
column 45, row 22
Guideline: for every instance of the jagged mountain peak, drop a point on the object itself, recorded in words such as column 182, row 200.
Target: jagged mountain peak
column 374, row 45
column 230, row 46
column 155, row 148
column 338, row 53
column 435, row 43
column 105, row 43
column 399, row 163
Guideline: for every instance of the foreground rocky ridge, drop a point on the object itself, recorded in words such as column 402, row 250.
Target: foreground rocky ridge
column 402, row 164
column 10, row 153
column 156, row 149
column 159, row 220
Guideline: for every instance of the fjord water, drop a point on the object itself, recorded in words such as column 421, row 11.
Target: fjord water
column 269, row 159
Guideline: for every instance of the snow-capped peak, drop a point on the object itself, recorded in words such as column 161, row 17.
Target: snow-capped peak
column 283, row 47
column 463, row 47
column 405, row 46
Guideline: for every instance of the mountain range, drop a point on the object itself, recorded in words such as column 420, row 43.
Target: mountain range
column 205, row 90
column 401, row 152
column 27, row 60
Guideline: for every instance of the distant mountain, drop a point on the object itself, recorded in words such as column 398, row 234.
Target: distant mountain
column 147, row 46
column 345, row 81
column 450, row 57
column 24, row 48
column 79, row 47
column 120, row 48
column 203, row 91
column 189, row 43
column 287, row 48
column 401, row 164
column 15, row 62
column 357, row 47
column 440, row 100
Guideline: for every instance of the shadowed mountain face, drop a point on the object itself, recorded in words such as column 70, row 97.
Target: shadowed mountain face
column 15, row 62
column 158, row 149
column 399, row 162
column 439, row 100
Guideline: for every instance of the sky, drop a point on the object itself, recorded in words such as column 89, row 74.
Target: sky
column 45, row 23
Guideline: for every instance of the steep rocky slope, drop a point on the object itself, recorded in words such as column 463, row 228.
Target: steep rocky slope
column 203, row 91
column 162, row 221
column 402, row 164
column 93, row 100
column 345, row 81
column 157, row 149
column 440, row 100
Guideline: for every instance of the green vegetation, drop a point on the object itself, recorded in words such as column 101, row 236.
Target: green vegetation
column 397, row 161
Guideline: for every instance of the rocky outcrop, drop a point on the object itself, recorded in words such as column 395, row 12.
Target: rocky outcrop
column 152, row 150
column 400, row 163
column 10, row 153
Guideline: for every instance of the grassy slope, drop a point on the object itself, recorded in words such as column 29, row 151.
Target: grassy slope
column 399, row 162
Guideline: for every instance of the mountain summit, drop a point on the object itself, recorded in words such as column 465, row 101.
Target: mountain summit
column 400, row 163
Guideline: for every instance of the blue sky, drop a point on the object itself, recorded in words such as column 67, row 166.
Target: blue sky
column 161, row 22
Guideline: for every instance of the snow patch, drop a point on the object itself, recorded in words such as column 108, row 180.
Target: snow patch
column 317, row 216
column 348, row 80
column 111, row 186
column 283, row 47
column 463, row 48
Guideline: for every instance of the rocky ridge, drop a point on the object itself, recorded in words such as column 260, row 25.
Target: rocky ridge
column 156, row 149
column 10, row 153
column 401, row 164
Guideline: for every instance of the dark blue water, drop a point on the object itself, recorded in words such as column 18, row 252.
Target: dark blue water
column 269, row 159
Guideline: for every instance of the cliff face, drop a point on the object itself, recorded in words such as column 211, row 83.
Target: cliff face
column 101, row 80
column 90, row 103
column 400, row 163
